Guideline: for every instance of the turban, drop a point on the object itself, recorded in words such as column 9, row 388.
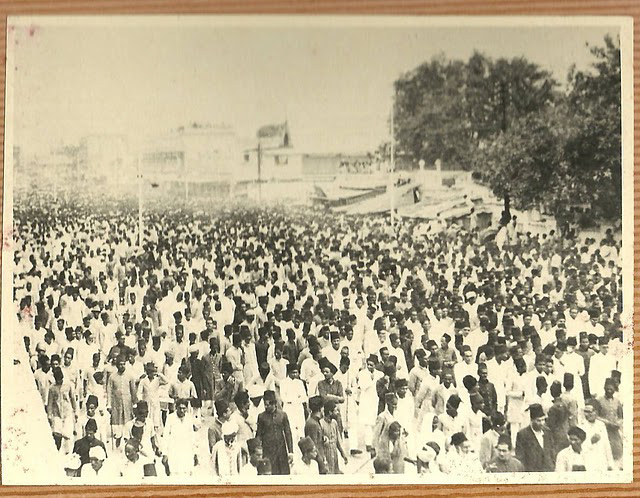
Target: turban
column 229, row 428
column 98, row 453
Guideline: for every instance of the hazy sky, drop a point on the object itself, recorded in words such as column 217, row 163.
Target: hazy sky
column 334, row 85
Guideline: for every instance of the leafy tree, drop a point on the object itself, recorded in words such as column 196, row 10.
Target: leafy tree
column 523, row 160
column 429, row 111
column 507, row 120
column 447, row 109
column 567, row 153
column 594, row 148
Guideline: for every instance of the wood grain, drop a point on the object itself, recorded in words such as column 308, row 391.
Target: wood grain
column 404, row 7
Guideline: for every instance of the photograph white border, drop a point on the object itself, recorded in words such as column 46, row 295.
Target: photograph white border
column 625, row 25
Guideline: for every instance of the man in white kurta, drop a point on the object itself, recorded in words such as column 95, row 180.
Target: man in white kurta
column 367, row 398
column 596, row 447
column 179, row 441
column 293, row 395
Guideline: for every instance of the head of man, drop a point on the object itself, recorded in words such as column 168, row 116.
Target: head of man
column 391, row 401
column 503, row 448
column 590, row 412
column 229, row 433
column 395, row 430
column 538, row 417
column 223, row 411
column 460, row 442
column 141, row 411
column 90, row 429
column 97, row 456
column 467, row 355
column 254, row 447
column 181, row 407
column 270, row 404
column 132, row 450
column 452, row 405
column 576, row 437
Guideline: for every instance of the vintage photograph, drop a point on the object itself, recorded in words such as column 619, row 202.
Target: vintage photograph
column 307, row 250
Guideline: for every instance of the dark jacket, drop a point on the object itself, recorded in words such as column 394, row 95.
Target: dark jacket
column 533, row 457
column 274, row 432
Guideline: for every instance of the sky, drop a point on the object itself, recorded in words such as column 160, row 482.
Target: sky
column 333, row 84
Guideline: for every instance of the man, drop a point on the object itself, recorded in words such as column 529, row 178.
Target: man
column 367, row 399
column 149, row 390
column 503, row 461
column 43, row 377
column 490, row 440
column 419, row 372
column 459, row 459
column 223, row 414
column 96, row 469
column 487, row 389
column 534, row 445
column 121, row 392
column 142, row 429
column 91, row 407
column 182, row 387
column 406, row 410
column 466, row 367
column 384, row 420
column 294, row 397
column 211, row 363
column 610, row 412
column 274, row 433
column 254, row 448
column 596, row 447
column 600, row 368
column 226, row 453
column 313, row 430
column 179, row 441
column 332, row 351
column 307, row 464
column 454, row 419
column 330, row 388
column 83, row 446
column 572, row 458
column 240, row 416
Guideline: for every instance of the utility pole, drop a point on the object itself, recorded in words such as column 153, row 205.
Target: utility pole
column 186, row 180
column 392, row 169
column 140, row 227
column 259, row 150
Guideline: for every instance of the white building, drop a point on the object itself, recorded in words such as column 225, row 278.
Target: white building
column 105, row 159
column 194, row 160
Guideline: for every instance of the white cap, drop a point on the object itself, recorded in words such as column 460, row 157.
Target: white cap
column 97, row 452
column 229, row 428
column 426, row 454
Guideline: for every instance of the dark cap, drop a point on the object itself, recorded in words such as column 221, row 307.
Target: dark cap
column 458, row 438
column 536, row 411
column 576, row 431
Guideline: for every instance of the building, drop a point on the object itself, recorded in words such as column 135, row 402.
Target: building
column 271, row 155
column 105, row 159
column 16, row 158
column 195, row 160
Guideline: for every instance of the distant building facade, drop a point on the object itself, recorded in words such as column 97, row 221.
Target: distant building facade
column 195, row 160
column 105, row 159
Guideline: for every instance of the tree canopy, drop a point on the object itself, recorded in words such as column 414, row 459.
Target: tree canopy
column 509, row 121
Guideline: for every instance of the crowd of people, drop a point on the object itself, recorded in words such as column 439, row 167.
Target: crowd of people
column 283, row 340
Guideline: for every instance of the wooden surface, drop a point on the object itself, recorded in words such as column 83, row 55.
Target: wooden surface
column 400, row 7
